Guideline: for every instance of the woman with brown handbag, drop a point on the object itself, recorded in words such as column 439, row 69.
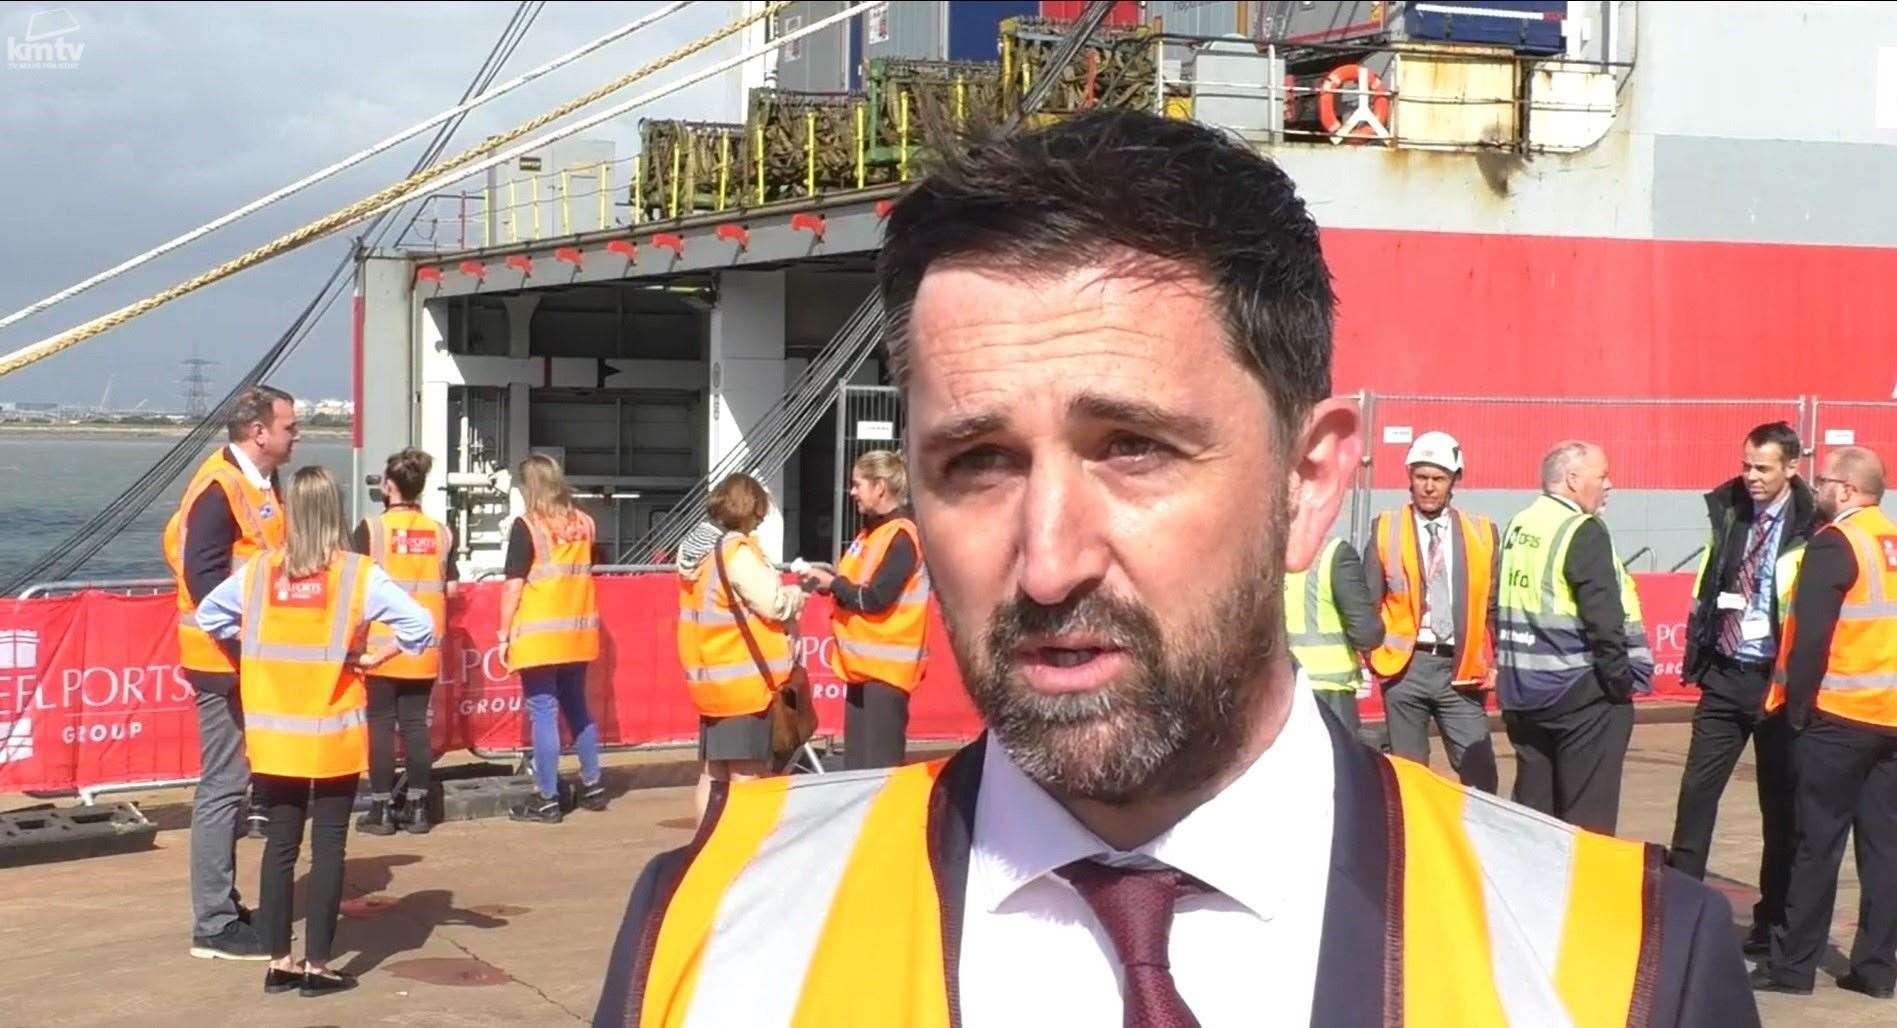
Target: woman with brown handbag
column 737, row 635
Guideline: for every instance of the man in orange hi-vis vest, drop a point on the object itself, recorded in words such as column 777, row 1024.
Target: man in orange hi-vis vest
column 230, row 512
column 1837, row 682
column 881, row 591
column 1431, row 567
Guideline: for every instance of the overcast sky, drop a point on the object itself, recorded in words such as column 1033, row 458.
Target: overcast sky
column 177, row 113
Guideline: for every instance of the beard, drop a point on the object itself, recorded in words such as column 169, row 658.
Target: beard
column 1175, row 720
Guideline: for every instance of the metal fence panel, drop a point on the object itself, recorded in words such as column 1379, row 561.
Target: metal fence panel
column 1867, row 423
column 868, row 418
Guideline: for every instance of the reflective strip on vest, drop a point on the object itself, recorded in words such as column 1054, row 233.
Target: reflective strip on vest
column 1310, row 608
column 542, row 572
column 856, row 845
column 1517, row 918
column 292, row 725
column 879, row 651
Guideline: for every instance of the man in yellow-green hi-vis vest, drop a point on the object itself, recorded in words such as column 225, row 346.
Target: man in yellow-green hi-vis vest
column 1111, row 334
column 1330, row 624
column 1570, row 651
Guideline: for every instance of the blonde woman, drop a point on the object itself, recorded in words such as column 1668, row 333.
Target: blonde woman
column 732, row 676
column 301, row 614
column 550, row 632
column 881, row 590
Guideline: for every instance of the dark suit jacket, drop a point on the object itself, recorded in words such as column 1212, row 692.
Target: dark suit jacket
column 1699, row 980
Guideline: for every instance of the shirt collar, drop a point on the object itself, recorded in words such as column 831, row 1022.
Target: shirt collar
column 1233, row 842
column 1776, row 509
column 245, row 465
column 1422, row 518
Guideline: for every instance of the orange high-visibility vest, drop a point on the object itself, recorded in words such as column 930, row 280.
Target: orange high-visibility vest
column 305, row 708
column 260, row 526
column 1860, row 682
column 558, row 618
column 1497, row 915
column 1403, row 582
column 413, row 548
column 890, row 646
column 723, row 679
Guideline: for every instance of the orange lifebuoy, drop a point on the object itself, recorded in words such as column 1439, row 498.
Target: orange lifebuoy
column 1366, row 81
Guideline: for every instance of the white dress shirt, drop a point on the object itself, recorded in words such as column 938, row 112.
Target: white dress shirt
column 1423, row 633
column 1033, row 953
column 249, row 468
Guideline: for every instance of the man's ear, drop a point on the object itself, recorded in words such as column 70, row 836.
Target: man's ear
column 1323, row 465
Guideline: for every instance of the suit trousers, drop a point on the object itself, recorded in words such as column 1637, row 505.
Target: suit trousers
column 224, row 774
column 1846, row 784
column 1423, row 693
column 1731, row 705
column 1568, row 756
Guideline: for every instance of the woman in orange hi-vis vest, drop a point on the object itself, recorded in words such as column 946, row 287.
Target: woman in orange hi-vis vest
column 301, row 615
column 727, row 589
column 418, row 553
column 881, row 591
column 550, row 633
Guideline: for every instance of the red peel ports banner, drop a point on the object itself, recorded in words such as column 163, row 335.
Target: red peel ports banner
column 90, row 692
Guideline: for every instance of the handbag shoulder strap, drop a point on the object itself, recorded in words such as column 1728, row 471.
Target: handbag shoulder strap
column 738, row 612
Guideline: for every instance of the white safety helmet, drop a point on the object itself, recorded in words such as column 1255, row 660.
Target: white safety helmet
column 1438, row 448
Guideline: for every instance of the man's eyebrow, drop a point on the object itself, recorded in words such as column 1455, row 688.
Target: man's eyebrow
column 1139, row 414
column 963, row 429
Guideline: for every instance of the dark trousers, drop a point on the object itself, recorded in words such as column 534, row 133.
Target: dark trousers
column 1342, row 703
column 1778, row 803
column 1731, row 702
column 1846, row 783
column 326, row 803
column 1568, row 756
column 403, row 700
column 875, row 725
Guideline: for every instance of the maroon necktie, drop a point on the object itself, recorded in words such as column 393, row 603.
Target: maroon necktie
column 1135, row 907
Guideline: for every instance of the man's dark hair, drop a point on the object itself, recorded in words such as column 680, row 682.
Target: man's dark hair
column 257, row 403
column 1780, row 433
column 408, row 469
column 1055, row 199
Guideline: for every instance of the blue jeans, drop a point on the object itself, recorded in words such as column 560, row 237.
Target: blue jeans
column 551, row 691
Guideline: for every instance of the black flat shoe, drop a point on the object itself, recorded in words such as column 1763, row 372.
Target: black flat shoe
column 1761, row 980
column 321, row 983
column 275, row 981
column 1853, row 983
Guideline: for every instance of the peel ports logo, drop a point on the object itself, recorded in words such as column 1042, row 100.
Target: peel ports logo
column 50, row 43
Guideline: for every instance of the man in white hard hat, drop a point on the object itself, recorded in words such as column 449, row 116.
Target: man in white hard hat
column 1432, row 570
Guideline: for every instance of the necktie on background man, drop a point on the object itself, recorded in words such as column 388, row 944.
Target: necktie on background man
column 1437, row 596
column 1731, row 636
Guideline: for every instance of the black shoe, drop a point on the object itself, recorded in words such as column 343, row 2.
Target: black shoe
column 543, row 809
column 275, row 981
column 322, row 983
column 1759, row 942
column 376, row 820
column 238, row 941
column 593, row 797
column 417, row 822
column 1761, row 980
column 1856, row 983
